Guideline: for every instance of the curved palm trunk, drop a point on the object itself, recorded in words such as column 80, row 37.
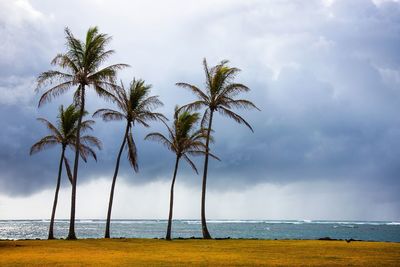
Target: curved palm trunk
column 107, row 234
column 71, row 233
column 53, row 213
column 171, row 200
column 206, row 234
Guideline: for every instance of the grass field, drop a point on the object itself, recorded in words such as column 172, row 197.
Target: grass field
column 152, row 252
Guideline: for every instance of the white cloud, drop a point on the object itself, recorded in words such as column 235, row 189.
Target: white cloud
column 17, row 90
column 18, row 12
column 379, row 2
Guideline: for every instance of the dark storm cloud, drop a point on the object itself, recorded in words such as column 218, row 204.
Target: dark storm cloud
column 327, row 81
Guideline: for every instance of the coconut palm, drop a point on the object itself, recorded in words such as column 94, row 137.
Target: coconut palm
column 81, row 66
column 217, row 96
column 183, row 140
column 134, row 106
column 64, row 133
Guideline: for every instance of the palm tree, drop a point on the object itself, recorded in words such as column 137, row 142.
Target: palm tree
column 64, row 134
column 183, row 140
column 218, row 95
column 80, row 66
column 134, row 106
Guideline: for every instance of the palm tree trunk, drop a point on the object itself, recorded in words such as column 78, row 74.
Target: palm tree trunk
column 206, row 234
column 71, row 233
column 107, row 234
column 53, row 213
column 171, row 200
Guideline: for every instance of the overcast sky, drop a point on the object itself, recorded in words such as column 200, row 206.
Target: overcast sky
column 325, row 74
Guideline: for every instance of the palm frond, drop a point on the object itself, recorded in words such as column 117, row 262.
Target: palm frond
column 52, row 76
column 51, row 127
column 91, row 141
column 107, row 73
column 230, row 114
column 77, row 96
column 234, row 89
column 87, row 125
column 149, row 116
column 86, row 151
column 109, row 114
column 194, row 90
column 68, row 168
column 54, row 92
column 191, row 164
column 193, row 106
column 65, row 62
column 239, row 103
column 102, row 90
column 208, row 75
column 202, row 153
column 44, row 143
column 100, row 58
column 158, row 137
column 132, row 152
column 75, row 48
column 205, row 119
column 150, row 103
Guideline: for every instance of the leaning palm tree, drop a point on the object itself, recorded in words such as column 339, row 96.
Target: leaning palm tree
column 218, row 95
column 183, row 140
column 81, row 66
column 134, row 106
column 64, row 133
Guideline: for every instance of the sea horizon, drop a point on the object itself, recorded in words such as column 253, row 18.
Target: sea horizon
column 394, row 222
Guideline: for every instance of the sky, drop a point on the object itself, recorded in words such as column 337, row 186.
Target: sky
column 325, row 74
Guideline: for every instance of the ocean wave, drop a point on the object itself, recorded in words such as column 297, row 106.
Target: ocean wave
column 86, row 221
column 351, row 222
column 138, row 221
column 234, row 221
column 192, row 222
column 360, row 223
column 248, row 221
column 120, row 221
column 221, row 221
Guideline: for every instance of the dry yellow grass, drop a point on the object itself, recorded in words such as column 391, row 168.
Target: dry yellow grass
column 149, row 252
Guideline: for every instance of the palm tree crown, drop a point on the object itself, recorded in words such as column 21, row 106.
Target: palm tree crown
column 64, row 133
column 81, row 66
column 182, row 139
column 220, row 92
column 134, row 106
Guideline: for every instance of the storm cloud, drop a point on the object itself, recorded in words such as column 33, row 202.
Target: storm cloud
column 325, row 74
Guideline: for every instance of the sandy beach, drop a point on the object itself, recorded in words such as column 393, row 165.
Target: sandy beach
column 151, row 252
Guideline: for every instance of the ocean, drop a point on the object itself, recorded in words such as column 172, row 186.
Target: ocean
column 259, row 229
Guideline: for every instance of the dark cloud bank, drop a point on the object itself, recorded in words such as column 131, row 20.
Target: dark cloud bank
column 327, row 78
